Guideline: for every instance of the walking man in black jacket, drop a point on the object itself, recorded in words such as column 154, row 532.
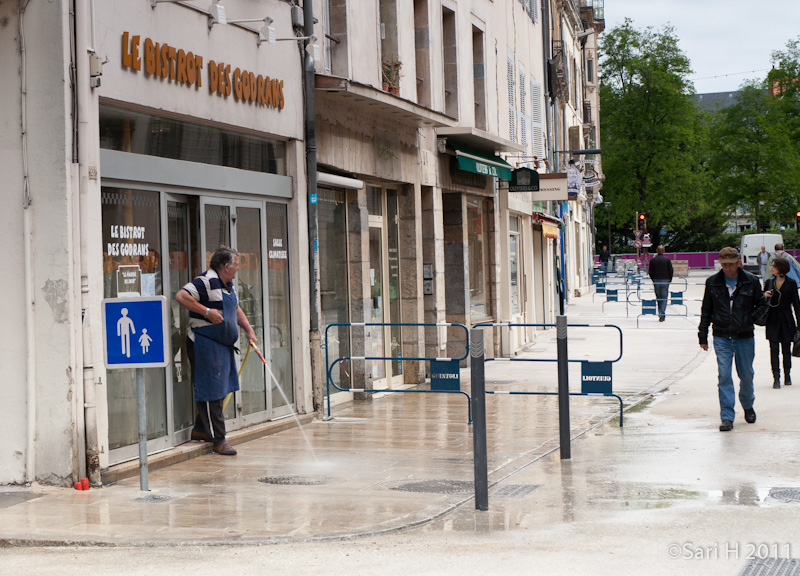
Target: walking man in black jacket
column 732, row 300
column 661, row 274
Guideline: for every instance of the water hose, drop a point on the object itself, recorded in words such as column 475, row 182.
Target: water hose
column 241, row 368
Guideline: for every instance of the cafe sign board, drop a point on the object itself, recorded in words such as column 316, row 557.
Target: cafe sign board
column 185, row 68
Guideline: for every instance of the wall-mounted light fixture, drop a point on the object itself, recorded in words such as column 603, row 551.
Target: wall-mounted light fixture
column 216, row 14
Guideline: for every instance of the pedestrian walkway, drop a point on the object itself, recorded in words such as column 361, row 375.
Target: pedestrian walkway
column 405, row 460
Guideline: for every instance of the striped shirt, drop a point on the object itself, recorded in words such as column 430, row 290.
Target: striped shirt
column 206, row 289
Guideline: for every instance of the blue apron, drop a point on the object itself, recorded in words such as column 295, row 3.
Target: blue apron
column 214, row 365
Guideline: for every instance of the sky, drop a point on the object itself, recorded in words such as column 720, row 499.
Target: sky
column 727, row 41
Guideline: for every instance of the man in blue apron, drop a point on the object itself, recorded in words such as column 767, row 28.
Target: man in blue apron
column 214, row 317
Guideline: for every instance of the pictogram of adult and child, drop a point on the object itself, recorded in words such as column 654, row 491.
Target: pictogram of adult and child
column 125, row 328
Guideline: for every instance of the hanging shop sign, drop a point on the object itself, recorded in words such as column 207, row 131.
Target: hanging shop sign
column 573, row 181
column 524, row 180
column 160, row 60
column 551, row 187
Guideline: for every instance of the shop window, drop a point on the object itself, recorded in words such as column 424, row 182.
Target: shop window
column 139, row 133
column 333, row 278
column 513, row 262
column 280, row 326
column 478, row 219
column 132, row 267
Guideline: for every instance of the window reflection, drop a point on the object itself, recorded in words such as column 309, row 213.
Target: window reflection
column 129, row 131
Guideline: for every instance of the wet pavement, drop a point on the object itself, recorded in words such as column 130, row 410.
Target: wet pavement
column 667, row 488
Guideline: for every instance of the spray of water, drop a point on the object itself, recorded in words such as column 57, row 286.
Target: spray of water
column 277, row 385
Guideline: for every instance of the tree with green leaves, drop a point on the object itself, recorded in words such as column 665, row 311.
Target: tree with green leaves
column 654, row 141
column 755, row 158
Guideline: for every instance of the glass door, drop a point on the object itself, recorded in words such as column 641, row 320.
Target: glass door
column 375, row 335
column 259, row 232
column 184, row 264
column 384, row 278
column 393, row 288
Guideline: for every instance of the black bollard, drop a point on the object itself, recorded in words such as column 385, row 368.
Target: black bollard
column 563, row 387
column 478, row 384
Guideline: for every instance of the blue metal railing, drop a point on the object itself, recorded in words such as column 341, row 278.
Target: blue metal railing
column 582, row 361
column 330, row 365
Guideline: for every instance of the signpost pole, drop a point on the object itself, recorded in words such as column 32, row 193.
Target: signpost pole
column 135, row 337
column 142, row 411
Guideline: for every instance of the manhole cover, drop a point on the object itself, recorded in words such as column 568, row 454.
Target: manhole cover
column 297, row 480
column 785, row 494
column 154, row 498
column 772, row 567
column 437, row 486
column 515, row 490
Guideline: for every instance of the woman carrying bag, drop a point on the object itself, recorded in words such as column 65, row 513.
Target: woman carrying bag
column 781, row 294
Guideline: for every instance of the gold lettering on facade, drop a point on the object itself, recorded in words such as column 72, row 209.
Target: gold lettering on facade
column 182, row 67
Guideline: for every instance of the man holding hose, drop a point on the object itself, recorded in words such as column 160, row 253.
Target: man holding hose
column 214, row 317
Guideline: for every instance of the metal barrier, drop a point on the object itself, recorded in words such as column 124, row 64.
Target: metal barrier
column 512, row 392
column 674, row 298
column 329, row 366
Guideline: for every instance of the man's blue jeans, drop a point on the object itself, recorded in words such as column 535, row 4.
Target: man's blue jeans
column 743, row 351
column 661, row 288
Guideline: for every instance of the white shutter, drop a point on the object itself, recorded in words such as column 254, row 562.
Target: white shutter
column 537, row 119
column 512, row 109
column 523, row 119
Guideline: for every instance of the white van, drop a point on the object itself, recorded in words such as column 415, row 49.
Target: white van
column 751, row 246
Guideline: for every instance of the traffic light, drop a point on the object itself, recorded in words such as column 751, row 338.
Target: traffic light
column 797, row 219
column 643, row 220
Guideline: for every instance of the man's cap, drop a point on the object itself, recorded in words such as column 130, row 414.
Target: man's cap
column 728, row 255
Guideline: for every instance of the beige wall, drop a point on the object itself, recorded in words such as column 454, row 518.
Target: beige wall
column 187, row 29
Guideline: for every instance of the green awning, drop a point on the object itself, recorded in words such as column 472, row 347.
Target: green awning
column 483, row 164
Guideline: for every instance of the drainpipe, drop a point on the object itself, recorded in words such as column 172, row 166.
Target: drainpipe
column 313, row 222
column 27, row 240
column 88, row 189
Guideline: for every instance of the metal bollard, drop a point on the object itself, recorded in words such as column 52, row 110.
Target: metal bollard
column 140, row 401
column 478, row 385
column 563, row 387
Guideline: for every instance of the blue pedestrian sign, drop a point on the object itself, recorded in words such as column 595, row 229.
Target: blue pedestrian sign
column 135, row 332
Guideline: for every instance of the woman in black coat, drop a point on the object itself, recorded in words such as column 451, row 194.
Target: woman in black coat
column 781, row 293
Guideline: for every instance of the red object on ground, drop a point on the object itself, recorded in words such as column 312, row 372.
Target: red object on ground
column 78, row 486
column 85, row 483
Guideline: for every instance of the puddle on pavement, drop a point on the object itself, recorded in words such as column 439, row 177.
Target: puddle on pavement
column 8, row 499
